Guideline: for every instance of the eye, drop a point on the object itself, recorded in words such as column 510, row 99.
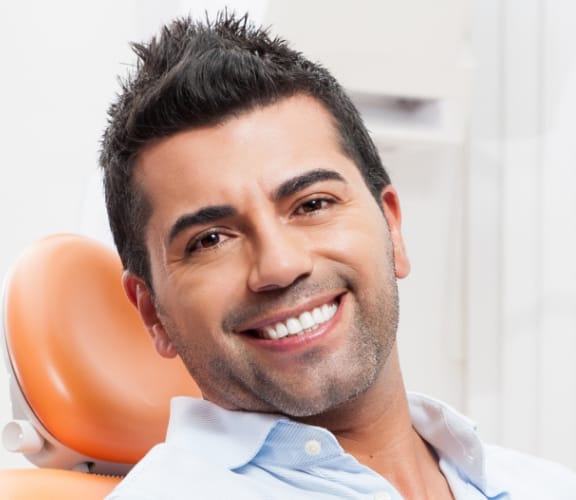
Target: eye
column 206, row 241
column 314, row 205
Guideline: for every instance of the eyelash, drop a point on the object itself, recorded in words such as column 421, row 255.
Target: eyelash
column 193, row 244
column 324, row 201
column 192, row 247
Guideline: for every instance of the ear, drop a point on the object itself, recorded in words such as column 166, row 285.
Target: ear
column 140, row 296
column 393, row 214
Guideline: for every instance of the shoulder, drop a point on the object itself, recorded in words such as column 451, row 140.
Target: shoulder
column 526, row 476
column 170, row 473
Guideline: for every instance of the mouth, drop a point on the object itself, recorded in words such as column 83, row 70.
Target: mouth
column 292, row 326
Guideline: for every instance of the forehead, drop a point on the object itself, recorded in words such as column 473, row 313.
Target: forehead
column 260, row 148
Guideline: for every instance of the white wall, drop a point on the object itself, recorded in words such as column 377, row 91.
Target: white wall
column 521, row 235
column 58, row 65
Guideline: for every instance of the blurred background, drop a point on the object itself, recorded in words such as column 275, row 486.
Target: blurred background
column 472, row 104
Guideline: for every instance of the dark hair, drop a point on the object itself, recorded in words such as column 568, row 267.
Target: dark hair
column 201, row 73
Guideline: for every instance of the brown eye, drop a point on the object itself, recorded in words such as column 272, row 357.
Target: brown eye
column 209, row 240
column 314, row 205
column 205, row 241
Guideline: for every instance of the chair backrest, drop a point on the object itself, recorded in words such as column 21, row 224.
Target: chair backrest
column 51, row 484
column 89, row 392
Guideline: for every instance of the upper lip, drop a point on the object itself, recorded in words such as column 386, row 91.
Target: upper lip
column 294, row 312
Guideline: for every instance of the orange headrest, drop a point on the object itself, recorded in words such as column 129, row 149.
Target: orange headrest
column 45, row 484
column 81, row 357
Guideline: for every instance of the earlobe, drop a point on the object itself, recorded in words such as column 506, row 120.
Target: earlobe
column 139, row 295
column 393, row 214
column 162, row 342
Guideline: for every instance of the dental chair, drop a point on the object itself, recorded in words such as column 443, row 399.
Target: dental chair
column 90, row 396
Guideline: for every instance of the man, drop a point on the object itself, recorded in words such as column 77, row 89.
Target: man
column 262, row 242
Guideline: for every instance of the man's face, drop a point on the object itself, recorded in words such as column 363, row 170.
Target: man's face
column 273, row 267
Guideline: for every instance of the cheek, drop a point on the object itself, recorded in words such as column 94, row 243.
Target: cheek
column 193, row 323
column 360, row 242
column 201, row 296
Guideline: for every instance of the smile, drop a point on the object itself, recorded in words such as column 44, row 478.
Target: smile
column 297, row 325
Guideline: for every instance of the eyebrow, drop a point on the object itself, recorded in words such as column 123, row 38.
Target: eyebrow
column 292, row 186
column 215, row 213
column 206, row 215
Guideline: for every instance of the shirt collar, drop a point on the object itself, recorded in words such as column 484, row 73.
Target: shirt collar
column 202, row 425
column 454, row 438
column 452, row 435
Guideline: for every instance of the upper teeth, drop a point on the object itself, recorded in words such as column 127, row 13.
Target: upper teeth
column 307, row 321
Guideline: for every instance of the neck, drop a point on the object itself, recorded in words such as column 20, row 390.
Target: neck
column 377, row 430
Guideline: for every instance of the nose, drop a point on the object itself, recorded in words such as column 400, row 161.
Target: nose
column 280, row 257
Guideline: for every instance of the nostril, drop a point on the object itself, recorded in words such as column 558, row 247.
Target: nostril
column 268, row 288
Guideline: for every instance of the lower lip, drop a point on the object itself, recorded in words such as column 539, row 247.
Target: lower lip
column 294, row 342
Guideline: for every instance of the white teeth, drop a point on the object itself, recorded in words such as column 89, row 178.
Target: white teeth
column 294, row 326
column 281, row 330
column 318, row 315
column 271, row 333
column 305, row 322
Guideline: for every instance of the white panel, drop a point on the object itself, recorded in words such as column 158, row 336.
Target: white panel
column 521, row 223
column 557, row 410
column 408, row 48
column 200, row 8
column 522, row 236
column 429, row 180
column 483, row 231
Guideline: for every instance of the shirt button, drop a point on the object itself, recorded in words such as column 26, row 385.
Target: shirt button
column 382, row 495
column 312, row 447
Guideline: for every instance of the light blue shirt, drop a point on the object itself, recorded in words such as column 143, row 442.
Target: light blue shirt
column 212, row 453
